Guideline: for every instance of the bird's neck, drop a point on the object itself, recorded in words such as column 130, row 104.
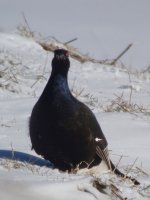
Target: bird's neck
column 58, row 78
column 55, row 74
column 58, row 83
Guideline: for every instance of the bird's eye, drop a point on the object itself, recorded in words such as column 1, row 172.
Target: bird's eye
column 67, row 54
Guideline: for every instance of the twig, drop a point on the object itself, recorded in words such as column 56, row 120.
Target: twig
column 141, row 192
column 141, row 170
column 121, row 54
column 116, row 191
column 119, row 97
column 99, row 186
column 70, row 41
column 38, row 79
column 13, row 152
column 118, row 163
column 27, row 24
column 41, row 76
column 56, row 39
column 114, row 154
column 130, row 168
column 130, row 95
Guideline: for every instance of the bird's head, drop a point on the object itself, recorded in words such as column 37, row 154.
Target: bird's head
column 60, row 62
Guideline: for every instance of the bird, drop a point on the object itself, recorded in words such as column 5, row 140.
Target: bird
column 63, row 129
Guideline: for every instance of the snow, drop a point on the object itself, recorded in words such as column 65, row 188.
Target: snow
column 103, row 27
column 24, row 70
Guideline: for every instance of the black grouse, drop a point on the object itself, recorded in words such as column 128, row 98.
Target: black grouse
column 64, row 130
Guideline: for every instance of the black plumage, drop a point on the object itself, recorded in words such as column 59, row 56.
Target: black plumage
column 63, row 129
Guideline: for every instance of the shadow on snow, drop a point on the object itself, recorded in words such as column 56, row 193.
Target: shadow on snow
column 24, row 157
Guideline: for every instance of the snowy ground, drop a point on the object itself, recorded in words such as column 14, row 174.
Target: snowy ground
column 24, row 71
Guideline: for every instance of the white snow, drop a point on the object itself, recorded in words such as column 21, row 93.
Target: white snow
column 24, row 70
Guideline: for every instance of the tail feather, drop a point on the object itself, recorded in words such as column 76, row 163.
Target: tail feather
column 119, row 173
column 102, row 152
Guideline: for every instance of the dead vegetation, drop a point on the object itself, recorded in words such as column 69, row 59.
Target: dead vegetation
column 9, row 74
column 51, row 43
column 120, row 104
column 25, row 30
column 107, row 184
column 12, row 164
column 111, row 185
column 87, row 97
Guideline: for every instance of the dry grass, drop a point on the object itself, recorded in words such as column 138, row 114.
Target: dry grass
column 11, row 164
column 86, row 97
column 105, row 184
column 50, row 44
column 23, row 31
column 147, row 70
column 120, row 104
column 115, row 187
column 9, row 71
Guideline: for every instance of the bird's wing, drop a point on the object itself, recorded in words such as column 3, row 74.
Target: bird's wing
column 93, row 130
column 99, row 137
